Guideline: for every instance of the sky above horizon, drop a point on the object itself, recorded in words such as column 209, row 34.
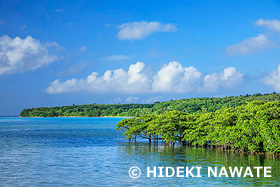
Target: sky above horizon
column 55, row 53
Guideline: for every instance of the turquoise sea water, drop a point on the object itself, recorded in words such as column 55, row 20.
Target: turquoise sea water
column 90, row 152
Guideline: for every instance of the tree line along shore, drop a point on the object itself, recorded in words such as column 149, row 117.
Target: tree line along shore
column 246, row 123
column 192, row 106
column 251, row 128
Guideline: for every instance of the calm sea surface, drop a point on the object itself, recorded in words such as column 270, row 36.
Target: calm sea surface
column 90, row 152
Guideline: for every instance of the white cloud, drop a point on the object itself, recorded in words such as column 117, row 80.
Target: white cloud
column 229, row 78
column 171, row 78
column 115, row 58
column 174, row 77
column 20, row 55
column 273, row 25
column 255, row 44
column 120, row 81
column 273, row 79
column 132, row 99
column 142, row 29
column 249, row 45
column 52, row 44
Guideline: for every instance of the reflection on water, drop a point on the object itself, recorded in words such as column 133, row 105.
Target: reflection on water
column 90, row 152
column 154, row 155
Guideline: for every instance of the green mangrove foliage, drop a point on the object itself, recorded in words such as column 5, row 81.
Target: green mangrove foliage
column 192, row 106
column 250, row 128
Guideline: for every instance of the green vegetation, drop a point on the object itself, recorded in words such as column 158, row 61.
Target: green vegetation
column 250, row 128
column 192, row 106
column 90, row 110
column 247, row 123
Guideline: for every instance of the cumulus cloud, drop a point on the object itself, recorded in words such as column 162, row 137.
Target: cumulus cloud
column 171, row 78
column 249, row 45
column 115, row 58
column 20, row 55
column 174, row 77
column 131, row 99
column 142, row 29
column 229, row 78
column 119, row 81
column 273, row 79
column 273, row 25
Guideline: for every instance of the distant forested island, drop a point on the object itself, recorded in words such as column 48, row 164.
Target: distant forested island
column 247, row 124
column 191, row 106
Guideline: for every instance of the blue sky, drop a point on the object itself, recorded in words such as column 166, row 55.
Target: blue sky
column 55, row 53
